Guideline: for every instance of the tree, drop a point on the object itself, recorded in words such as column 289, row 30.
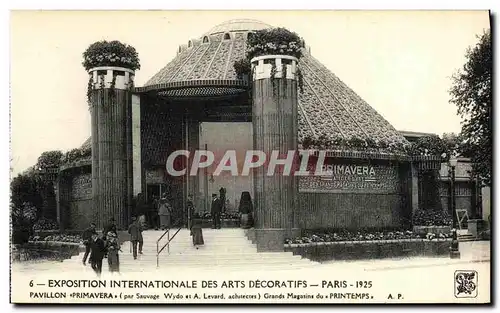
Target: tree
column 49, row 159
column 471, row 93
column 27, row 188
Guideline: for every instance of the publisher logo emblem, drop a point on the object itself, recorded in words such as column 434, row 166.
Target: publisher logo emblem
column 465, row 284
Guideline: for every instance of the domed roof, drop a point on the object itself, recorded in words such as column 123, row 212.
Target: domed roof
column 238, row 25
column 327, row 106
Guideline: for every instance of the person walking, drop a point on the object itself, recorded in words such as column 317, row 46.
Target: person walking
column 135, row 231
column 194, row 227
column 216, row 211
column 165, row 212
column 98, row 250
column 113, row 247
column 87, row 241
column 110, row 227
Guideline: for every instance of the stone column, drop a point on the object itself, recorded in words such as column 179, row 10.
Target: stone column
column 136, row 144
column 414, row 187
column 111, row 146
column 274, row 119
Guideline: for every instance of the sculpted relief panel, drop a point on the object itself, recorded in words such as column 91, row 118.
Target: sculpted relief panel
column 81, row 187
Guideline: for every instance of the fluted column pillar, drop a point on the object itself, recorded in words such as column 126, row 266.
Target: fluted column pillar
column 111, row 144
column 274, row 118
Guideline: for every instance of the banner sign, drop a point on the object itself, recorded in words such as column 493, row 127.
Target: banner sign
column 366, row 178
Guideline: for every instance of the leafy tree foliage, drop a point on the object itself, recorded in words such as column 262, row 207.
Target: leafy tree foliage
column 471, row 93
column 49, row 159
column 27, row 188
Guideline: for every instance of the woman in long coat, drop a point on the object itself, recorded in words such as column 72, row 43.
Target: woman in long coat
column 164, row 212
column 196, row 230
column 113, row 247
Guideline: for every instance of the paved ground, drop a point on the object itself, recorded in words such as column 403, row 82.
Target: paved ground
column 471, row 252
column 414, row 280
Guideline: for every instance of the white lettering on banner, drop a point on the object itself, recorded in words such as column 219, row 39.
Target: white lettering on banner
column 288, row 162
column 249, row 163
column 348, row 170
column 198, row 164
column 170, row 162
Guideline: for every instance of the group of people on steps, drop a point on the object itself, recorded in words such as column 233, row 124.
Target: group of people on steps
column 107, row 245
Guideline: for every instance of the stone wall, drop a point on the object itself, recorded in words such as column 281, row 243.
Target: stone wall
column 80, row 204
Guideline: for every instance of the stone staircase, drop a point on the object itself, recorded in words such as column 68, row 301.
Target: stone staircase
column 224, row 249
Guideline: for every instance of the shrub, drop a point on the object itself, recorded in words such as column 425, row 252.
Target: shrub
column 432, row 218
column 111, row 53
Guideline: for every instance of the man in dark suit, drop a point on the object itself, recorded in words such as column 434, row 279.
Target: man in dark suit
column 98, row 250
column 87, row 240
column 135, row 231
column 216, row 210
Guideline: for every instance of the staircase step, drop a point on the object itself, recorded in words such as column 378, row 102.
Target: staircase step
column 202, row 260
column 224, row 249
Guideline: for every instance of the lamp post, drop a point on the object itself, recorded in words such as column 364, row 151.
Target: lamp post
column 454, row 252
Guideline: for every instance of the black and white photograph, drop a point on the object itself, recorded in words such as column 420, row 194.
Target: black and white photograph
column 270, row 157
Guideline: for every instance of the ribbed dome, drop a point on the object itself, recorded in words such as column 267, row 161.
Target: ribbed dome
column 238, row 25
column 327, row 106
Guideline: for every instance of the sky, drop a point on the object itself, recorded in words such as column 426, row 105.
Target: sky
column 400, row 62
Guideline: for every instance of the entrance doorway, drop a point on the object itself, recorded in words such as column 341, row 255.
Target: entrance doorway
column 219, row 138
column 154, row 191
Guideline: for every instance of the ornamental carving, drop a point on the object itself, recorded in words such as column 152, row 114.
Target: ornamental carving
column 81, row 187
column 155, row 176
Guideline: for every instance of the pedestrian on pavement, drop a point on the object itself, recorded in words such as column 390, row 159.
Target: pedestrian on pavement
column 113, row 247
column 87, row 240
column 98, row 250
column 135, row 231
column 165, row 212
column 216, row 211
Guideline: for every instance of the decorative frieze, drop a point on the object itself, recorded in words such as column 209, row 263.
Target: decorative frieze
column 81, row 187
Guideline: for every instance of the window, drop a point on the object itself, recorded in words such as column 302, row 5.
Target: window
column 205, row 39
column 227, row 36
column 190, row 44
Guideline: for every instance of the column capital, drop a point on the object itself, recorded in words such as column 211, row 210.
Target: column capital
column 262, row 66
column 107, row 76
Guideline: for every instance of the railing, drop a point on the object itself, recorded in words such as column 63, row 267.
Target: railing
column 167, row 245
